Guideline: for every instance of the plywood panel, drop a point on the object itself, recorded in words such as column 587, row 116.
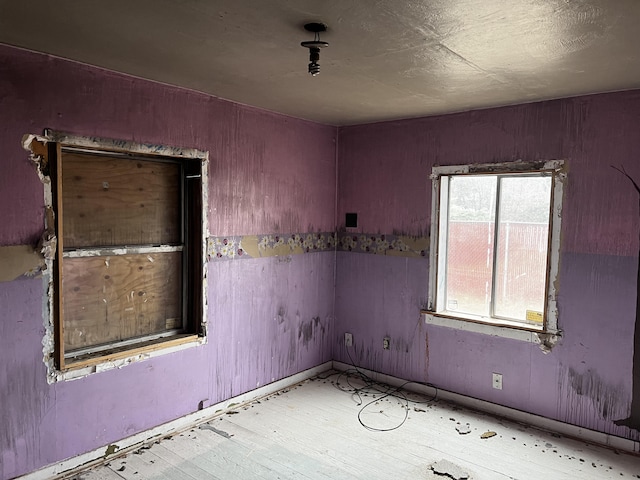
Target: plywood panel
column 113, row 298
column 114, row 201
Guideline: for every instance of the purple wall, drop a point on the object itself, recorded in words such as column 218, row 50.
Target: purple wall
column 384, row 176
column 274, row 316
column 268, row 317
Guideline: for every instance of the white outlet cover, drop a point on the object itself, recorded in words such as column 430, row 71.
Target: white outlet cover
column 497, row 381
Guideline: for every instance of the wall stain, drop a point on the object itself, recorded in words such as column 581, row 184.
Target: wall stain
column 426, row 354
column 589, row 400
column 306, row 329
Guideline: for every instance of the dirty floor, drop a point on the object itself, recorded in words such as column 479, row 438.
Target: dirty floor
column 340, row 426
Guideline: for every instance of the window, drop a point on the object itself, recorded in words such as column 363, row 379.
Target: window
column 495, row 254
column 128, row 272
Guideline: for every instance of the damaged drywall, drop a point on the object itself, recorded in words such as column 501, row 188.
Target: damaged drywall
column 37, row 147
column 547, row 341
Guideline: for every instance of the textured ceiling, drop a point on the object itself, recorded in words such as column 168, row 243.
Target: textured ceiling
column 386, row 59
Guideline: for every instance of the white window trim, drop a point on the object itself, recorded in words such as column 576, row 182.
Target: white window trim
column 492, row 327
column 123, row 146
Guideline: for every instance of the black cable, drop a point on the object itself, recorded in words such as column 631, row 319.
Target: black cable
column 373, row 387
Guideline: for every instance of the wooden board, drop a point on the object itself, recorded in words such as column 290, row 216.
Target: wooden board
column 114, row 201
column 55, row 155
column 113, row 298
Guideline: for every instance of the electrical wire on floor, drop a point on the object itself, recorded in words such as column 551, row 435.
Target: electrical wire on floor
column 366, row 386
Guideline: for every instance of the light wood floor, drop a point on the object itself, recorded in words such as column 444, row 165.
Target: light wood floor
column 313, row 431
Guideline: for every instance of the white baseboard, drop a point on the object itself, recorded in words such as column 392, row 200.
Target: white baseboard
column 78, row 463
column 537, row 421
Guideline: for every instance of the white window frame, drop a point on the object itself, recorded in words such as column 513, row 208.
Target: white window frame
column 435, row 315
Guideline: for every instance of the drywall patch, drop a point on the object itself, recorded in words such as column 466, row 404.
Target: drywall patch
column 37, row 146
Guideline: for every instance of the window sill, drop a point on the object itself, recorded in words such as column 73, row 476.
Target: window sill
column 523, row 333
column 85, row 366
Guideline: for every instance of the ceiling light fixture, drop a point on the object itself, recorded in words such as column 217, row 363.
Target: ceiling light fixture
column 315, row 46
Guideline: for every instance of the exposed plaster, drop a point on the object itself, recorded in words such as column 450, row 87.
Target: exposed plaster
column 548, row 340
column 38, row 147
column 499, row 167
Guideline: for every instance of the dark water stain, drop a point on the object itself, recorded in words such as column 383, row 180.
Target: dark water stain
column 585, row 392
column 306, row 329
column 426, row 355
column 293, row 349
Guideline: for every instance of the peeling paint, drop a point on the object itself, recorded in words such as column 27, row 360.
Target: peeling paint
column 124, row 145
column 498, row 167
column 235, row 247
column 383, row 244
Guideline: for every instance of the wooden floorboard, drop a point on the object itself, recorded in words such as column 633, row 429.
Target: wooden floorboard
column 312, row 431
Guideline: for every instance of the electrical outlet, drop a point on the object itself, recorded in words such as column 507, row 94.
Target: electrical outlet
column 497, row 381
column 348, row 340
column 386, row 341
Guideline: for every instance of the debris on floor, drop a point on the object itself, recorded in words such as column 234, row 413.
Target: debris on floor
column 446, row 468
column 488, row 434
column 463, row 429
column 206, row 426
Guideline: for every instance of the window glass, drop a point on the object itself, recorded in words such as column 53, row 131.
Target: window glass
column 469, row 266
column 492, row 250
column 521, row 260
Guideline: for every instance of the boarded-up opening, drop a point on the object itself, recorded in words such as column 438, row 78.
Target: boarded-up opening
column 113, row 201
column 128, row 266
